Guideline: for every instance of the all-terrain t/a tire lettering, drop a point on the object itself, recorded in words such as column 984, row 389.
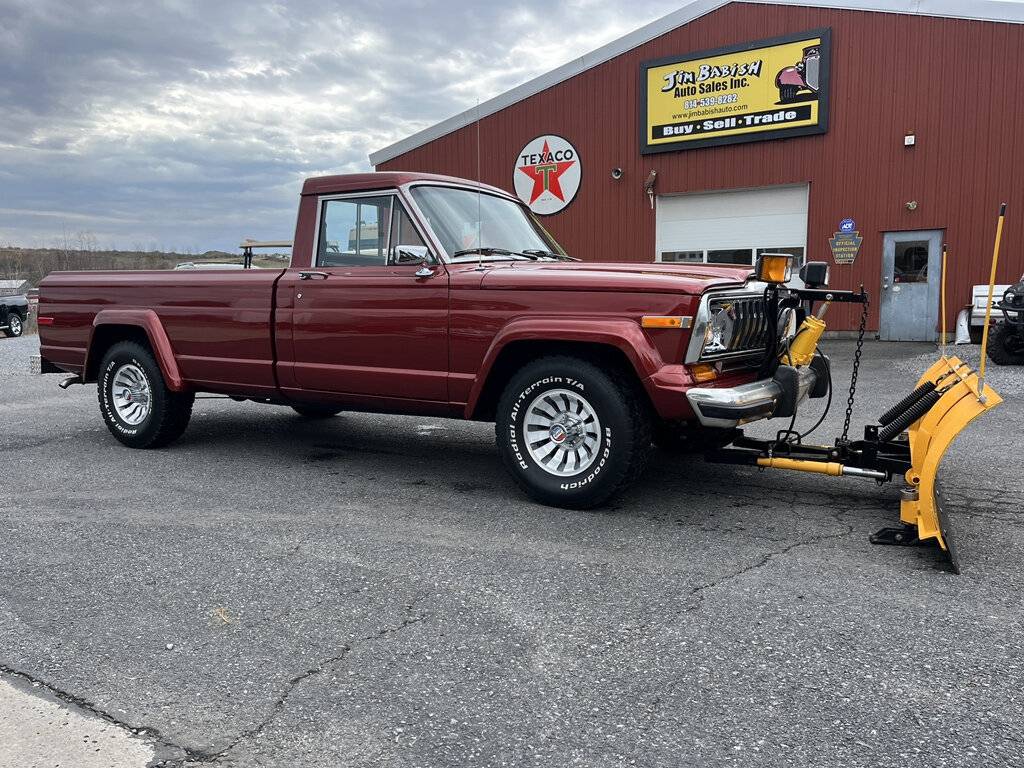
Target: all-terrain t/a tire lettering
column 572, row 434
column 137, row 407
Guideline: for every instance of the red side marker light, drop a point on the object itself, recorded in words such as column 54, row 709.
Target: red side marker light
column 44, row 320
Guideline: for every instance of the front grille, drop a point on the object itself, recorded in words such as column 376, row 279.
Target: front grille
column 751, row 325
column 729, row 326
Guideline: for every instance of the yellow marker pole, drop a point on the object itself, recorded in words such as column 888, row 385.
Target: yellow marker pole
column 988, row 306
column 943, row 299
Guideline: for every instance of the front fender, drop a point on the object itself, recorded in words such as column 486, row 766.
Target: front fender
column 624, row 335
column 148, row 321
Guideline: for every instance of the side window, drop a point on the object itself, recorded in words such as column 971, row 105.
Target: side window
column 407, row 247
column 353, row 232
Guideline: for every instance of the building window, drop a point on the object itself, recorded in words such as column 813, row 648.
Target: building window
column 682, row 256
column 911, row 262
column 741, row 256
column 731, row 256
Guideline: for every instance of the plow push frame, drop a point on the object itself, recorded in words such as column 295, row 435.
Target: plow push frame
column 910, row 438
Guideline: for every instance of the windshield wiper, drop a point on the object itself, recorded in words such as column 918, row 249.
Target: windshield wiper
column 548, row 254
column 487, row 251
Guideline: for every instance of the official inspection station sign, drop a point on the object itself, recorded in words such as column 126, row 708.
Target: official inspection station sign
column 845, row 245
column 764, row 90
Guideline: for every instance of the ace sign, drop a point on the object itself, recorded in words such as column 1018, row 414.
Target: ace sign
column 547, row 174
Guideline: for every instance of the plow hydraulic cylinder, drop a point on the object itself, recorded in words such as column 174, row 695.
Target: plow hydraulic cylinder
column 820, row 467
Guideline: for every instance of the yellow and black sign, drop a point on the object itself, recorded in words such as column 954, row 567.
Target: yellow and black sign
column 764, row 90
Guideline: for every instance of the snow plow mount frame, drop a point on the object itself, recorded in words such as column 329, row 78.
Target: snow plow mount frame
column 946, row 399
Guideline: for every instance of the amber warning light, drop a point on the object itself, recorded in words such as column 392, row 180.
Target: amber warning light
column 774, row 268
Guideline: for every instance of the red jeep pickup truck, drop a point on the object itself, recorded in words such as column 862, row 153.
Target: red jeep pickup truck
column 420, row 294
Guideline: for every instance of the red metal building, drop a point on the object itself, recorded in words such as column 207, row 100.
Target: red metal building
column 731, row 127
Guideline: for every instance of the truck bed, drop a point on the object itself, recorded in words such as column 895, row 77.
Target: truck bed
column 205, row 314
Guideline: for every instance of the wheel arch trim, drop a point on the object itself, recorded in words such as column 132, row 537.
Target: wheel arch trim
column 626, row 336
column 149, row 322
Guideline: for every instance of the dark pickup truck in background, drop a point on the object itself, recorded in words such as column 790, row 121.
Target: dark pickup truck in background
column 13, row 315
column 419, row 294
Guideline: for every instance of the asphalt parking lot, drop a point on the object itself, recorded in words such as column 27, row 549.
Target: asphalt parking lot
column 374, row 591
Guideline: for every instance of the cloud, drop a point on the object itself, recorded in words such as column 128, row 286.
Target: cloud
column 192, row 124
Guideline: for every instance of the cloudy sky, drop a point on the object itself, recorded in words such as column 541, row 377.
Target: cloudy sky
column 182, row 125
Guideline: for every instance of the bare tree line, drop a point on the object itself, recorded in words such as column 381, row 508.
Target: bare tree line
column 81, row 251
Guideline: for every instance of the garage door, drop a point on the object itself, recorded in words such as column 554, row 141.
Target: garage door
column 732, row 227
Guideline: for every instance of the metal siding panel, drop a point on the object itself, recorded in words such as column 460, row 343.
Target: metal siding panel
column 948, row 80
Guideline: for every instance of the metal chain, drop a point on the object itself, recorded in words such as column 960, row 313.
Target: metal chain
column 856, row 368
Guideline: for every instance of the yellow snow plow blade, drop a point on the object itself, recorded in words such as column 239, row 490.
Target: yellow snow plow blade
column 931, row 435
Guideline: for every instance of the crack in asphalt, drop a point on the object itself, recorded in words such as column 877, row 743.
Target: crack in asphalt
column 279, row 703
column 191, row 755
column 698, row 591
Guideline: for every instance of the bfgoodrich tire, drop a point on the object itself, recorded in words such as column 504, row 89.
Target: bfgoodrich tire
column 1006, row 344
column 136, row 404
column 572, row 434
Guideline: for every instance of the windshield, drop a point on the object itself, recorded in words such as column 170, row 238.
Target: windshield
column 465, row 220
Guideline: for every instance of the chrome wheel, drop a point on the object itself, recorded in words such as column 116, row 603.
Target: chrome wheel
column 131, row 394
column 14, row 323
column 562, row 432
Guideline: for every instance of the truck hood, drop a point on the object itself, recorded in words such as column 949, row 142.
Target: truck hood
column 692, row 279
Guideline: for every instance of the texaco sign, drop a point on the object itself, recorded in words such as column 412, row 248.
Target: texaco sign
column 547, row 174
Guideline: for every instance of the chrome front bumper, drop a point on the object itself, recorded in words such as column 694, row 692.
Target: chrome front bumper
column 728, row 407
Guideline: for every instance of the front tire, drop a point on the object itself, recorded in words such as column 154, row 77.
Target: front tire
column 1006, row 344
column 138, row 408
column 15, row 326
column 572, row 434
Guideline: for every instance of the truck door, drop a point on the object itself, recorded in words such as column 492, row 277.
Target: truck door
column 371, row 315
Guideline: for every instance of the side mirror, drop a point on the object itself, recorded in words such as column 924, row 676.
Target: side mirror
column 814, row 274
column 774, row 268
column 411, row 254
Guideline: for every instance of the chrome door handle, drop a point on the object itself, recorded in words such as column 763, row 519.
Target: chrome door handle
column 308, row 275
column 424, row 271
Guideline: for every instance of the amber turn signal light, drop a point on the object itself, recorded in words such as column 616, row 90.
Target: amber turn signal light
column 664, row 321
column 774, row 268
column 703, row 372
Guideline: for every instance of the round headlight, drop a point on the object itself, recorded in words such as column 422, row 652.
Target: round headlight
column 720, row 329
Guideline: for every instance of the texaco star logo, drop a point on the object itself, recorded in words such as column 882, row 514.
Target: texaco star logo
column 547, row 174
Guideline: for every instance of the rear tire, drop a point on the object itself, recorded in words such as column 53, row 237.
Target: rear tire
column 138, row 408
column 1006, row 344
column 316, row 411
column 572, row 434
column 15, row 326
